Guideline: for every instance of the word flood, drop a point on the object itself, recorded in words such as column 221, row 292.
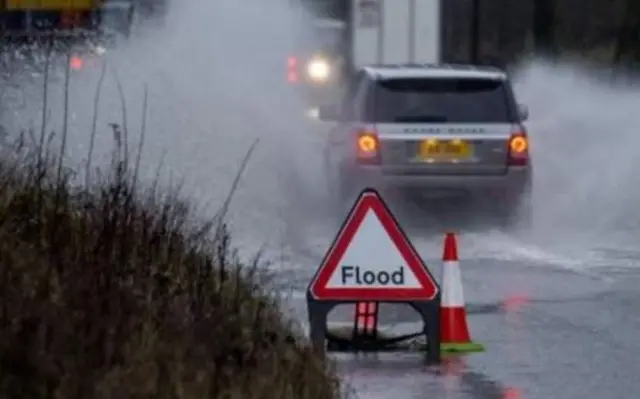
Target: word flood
column 355, row 275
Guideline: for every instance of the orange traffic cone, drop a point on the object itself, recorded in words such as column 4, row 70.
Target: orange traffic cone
column 454, row 332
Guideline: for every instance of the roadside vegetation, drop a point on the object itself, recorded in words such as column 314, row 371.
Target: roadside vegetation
column 112, row 289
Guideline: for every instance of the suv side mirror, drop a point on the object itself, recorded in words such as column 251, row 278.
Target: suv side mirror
column 523, row 112
column 329, row 113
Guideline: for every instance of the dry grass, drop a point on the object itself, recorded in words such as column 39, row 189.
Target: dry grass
column 112, row 290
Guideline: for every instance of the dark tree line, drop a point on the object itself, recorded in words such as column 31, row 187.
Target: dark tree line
column 606, row 31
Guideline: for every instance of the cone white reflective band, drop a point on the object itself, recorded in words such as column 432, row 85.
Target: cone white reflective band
column 452, row 296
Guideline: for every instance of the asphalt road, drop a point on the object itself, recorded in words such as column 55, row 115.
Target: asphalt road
column 549, row 332
column 555, row 306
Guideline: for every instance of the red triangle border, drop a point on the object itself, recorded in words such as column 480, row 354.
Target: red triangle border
column 369, row 199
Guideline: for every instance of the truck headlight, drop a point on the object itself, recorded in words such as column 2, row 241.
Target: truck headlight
column 99, row 50
column 319, row 70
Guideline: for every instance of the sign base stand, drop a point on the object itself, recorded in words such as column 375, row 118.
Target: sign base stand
column 345, row 341
column 326, row 340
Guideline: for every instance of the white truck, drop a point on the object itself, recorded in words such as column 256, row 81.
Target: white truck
column 393, row 32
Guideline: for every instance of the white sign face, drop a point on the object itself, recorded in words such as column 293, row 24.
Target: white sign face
column 372, row 260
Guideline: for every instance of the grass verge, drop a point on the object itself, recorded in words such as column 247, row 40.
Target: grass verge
column 111, row 290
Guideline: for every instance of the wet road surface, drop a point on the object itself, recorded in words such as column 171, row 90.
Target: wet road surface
column 548, row 332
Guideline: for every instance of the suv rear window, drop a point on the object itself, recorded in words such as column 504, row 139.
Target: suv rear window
column 451, row 100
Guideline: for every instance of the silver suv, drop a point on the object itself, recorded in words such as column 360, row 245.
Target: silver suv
column 435, row 132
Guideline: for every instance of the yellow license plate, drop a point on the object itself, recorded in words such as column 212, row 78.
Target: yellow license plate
column 433, row 149
column 50, row 4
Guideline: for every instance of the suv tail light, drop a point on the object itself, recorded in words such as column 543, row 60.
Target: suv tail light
column 367, row 147
column 518, row 148
column 292, row 70
column 76, row 63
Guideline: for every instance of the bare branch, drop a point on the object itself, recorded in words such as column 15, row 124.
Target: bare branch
column 234, row 187
column 125, row 123
column 94, row 123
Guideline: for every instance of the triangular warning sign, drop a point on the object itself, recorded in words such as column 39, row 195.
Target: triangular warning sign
column 372, row 259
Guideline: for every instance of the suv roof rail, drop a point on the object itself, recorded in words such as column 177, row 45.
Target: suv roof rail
column 459, row 66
